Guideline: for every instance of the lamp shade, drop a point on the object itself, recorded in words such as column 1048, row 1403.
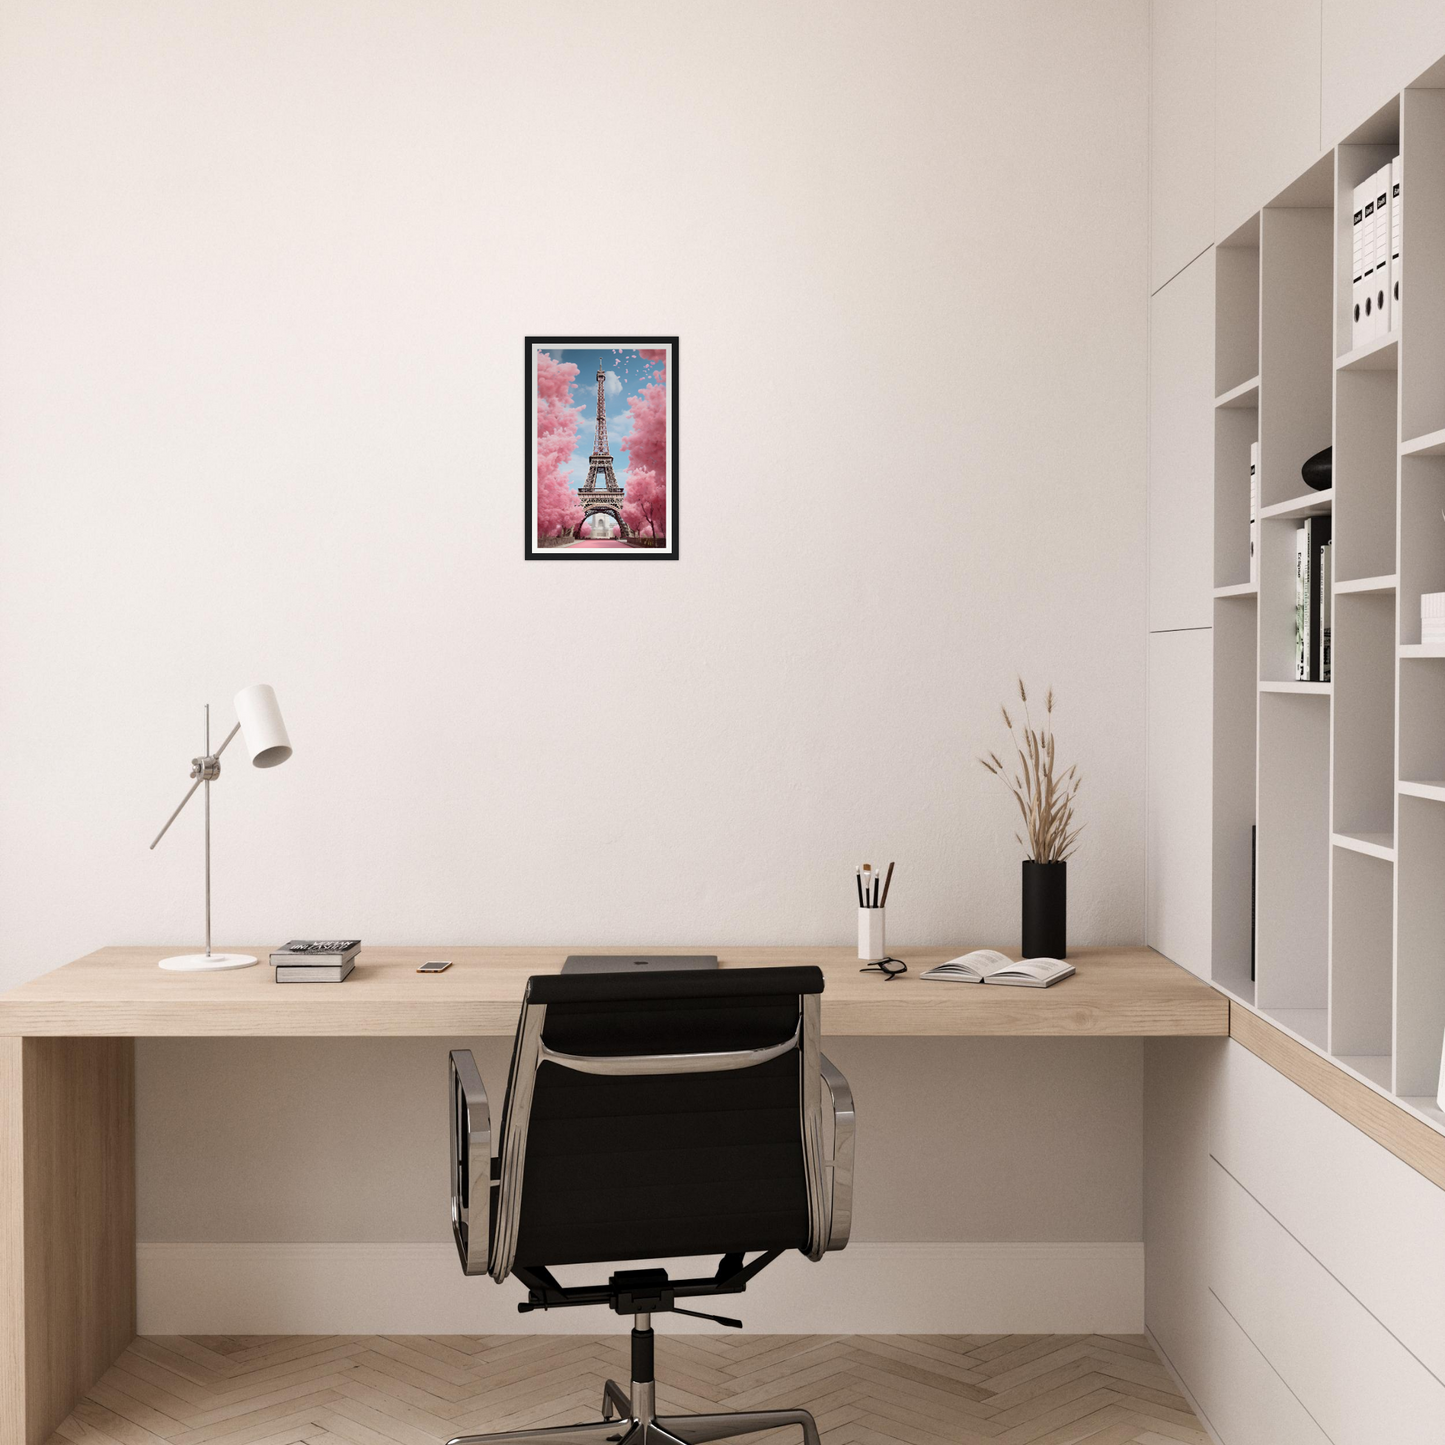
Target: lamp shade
column 262, row 730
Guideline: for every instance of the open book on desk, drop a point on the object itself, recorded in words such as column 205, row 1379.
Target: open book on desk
column 987, row 965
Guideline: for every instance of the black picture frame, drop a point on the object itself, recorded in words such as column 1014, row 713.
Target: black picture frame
column 534, row 553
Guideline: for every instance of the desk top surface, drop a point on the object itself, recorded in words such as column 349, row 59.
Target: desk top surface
column 120, row 992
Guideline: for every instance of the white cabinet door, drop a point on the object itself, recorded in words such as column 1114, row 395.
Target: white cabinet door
column 1246, row 1401
column 1181, row 134
column 1371, row 1220
column 1178, row 901
column 1181, row 450
column 1370, row 52
column 1266, row 103
column 1358, row 1382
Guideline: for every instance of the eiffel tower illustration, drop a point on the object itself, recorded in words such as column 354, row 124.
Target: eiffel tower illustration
column 609, row 496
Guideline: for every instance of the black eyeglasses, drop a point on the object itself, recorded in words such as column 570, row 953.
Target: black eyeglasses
column 890, row 968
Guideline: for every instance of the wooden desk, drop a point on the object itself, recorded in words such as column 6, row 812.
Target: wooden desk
column 119, row 992
column 67, row 1091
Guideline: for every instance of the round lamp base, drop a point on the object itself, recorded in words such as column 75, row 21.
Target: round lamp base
column 207, row 962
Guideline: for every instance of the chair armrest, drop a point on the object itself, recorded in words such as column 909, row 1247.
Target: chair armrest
column 840, row 1166
column 471, row 1129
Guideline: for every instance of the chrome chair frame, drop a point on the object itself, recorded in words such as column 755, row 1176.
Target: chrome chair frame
column 486, row 1211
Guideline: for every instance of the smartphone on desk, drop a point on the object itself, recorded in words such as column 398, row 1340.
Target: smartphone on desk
column 435, row 965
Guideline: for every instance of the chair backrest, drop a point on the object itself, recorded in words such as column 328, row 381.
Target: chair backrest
column 668, row 1114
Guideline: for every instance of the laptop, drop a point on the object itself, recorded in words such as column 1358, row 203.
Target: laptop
column 636, row 962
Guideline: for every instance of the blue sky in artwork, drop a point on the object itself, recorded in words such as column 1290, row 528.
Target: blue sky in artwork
column 628, row 373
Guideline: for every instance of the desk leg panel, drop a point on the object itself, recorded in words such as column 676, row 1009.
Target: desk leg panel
column 67, row 1210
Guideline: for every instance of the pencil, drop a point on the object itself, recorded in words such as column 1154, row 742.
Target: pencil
column 887, row 883
column 859, row 881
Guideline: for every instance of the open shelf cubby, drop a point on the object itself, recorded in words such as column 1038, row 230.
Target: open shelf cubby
column 1236, row 704
column 1329, row 795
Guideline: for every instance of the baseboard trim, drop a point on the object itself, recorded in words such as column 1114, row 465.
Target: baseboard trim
column 305, row 1289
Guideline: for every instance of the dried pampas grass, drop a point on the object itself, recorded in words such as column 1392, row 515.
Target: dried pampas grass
column 1046, row 801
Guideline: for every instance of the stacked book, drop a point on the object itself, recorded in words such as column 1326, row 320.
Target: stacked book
column 1312, row 600
column 315, row 960
column 1432, row 618
column 1375, row 242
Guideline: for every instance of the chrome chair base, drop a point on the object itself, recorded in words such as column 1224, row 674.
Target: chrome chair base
column 641, row 1427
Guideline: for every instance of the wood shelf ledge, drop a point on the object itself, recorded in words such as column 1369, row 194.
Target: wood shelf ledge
column 1238, row 589
column 1396, row 1123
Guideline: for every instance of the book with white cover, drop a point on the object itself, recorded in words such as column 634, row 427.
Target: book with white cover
column 1254, row 513
column 1367, row 315
column 988, row 965
column 1357, row 267
column 1396, row 227
column 1367, row 320
column 1301, row 606
column 314, row 972
column 1382, row 251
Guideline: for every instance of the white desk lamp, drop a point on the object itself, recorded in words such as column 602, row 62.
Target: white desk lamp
column 258, row 720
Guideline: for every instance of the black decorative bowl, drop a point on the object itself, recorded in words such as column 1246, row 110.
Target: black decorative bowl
column 1319, row 471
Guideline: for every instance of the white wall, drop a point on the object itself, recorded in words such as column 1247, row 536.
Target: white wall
column 958, row 1139
column 265, row 271
column 268, row 268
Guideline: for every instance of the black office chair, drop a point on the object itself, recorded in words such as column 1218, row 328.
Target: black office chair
column 650, row 1117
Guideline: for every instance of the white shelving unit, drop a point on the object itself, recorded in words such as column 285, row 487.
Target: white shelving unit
column 1344, row 781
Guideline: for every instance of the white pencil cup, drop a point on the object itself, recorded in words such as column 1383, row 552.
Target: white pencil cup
column 871, row 946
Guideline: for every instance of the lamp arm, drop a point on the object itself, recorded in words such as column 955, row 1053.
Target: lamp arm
column 177, row 813
column 199, row 774
column 227, row 743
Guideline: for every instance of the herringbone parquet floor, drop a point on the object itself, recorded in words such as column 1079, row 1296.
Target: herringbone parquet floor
column 419, row 1390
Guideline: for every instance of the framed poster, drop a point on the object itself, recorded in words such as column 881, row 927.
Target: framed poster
column 601, row 472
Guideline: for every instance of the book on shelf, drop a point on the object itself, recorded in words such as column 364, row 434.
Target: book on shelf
column 1253, row 892
column 1367, row 259
column 1301, row 606
column 1310, row 540
column 314, row 972
column 1357, row 267
column 1396, row 227
column 1326, row 607
column 1381, row 293
column 988, row 965
column 1254, row 513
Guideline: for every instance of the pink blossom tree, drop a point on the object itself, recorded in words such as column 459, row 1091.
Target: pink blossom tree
column 647, row 442
column 646, row 505
column 558, row 509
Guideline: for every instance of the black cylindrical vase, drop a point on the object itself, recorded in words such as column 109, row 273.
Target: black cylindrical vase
column 1046, row 909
